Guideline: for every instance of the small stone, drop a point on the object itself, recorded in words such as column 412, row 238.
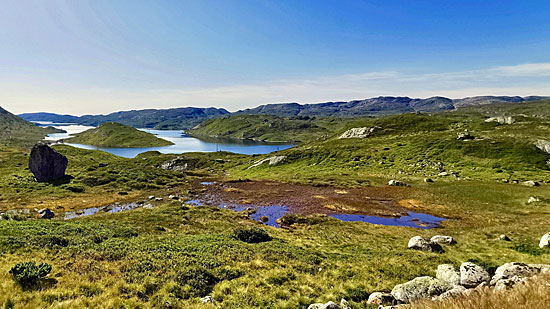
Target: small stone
column 344, row 304
column 45, row 213
column 151, row 197
column 533, row 199
column 264, row 219
column 208, row 300
column 504, row 238
column 158, row 199
column 380, row 299
column 422, row 244
column 443, row 174
column 440, row 239
column 397, row 183
column 428, row 180
column 530, row 183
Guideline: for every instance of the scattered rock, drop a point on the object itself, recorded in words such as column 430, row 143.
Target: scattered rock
column 530, row 183
column 381, row 299
column 443, row 240
column 472, row 275
column 45, row 213
column 418, row 288
column 443, row 174
column 158, row 199
column 504, row 238
column 173, row 197
column 533, row 199
column 47, row 164
column 397, row 183
column 423, row 244
column 429, row 180
column 151, row 197
column 271, row 161
column 545, row 241
column 448, row 275
column 208, row 300
column 122, row 193
column 329, row 305
column 501, row 119
column 102, row 165
column 358, row 132
column 464, row 136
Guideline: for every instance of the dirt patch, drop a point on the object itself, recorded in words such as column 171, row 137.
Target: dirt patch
column 305, row 199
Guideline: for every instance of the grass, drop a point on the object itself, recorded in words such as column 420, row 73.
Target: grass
column 172, row 255
column 116, row 135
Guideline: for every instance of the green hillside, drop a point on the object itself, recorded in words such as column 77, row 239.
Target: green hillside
column 266, row 128
column 112, row 134
column 15, row 131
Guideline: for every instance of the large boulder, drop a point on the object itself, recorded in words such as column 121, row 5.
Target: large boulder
column 275, row 160
column 543, row 145
column 179, row 164
column 418, row 288
column 511, row 270
column 472, row 275
column 545, row 241
column 448, row 275
column 47, row 164
column 423, row 244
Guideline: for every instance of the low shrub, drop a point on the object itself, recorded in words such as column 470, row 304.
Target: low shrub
column 28, row 274
column 252, row 235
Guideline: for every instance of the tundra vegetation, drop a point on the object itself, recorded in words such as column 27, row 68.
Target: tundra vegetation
column 172, row 254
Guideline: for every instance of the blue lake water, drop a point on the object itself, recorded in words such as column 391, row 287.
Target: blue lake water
column 182, row 143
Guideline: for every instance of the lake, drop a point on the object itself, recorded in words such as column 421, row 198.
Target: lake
column 182, row 142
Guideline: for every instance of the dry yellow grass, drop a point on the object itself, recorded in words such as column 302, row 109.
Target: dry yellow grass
column 535, row 294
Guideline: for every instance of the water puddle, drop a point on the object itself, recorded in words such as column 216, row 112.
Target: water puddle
column 417, row 220
column 207, row 183
column 113, row 208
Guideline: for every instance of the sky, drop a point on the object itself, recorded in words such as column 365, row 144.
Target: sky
column 90, row 57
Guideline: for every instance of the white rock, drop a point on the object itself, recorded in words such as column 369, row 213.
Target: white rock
column 271, row 161
column 545, row 241
column 422, row 244
column 441, row 239
column 208, row 300
column 358, row 132
column 448, row 275
column 533, row 199
column 397, row 183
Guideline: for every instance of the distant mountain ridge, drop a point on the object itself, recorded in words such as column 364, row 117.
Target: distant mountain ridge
column 163, row 119
column 381, row 106
column 188, row 117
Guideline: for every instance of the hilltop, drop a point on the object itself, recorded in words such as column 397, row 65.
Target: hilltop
column 15, row 131
column 162, row 119
column 112, row 134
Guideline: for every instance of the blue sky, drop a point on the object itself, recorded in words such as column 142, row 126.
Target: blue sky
column 101, row 56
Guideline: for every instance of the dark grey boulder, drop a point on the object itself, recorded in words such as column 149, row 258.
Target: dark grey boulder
column 47, row 164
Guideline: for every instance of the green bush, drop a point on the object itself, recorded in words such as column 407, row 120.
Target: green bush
column 28, row 274
column 252, row 235
column 198, row 281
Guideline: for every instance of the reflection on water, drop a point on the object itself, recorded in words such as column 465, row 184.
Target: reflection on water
column 418, row 220
column 114, row 208
column 182, row 143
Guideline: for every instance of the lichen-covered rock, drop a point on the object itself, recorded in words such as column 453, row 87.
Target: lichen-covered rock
column 472, row 275
column 178, row 164
column 423, row 244
column 448, row 275
column 457, row 290
column 443, row 240
column 418, row 288
column 505, row 284
column 47, row 164
column 344, row 304
column 545, row 241
column 543, row 145
column 380, row 299
column 511, row 270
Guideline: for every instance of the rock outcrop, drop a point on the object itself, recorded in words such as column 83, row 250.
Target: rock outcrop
column 358, row 132
column 543, row 145
column 271, row 161
column 501, row 119
column 47, row 164
column 178, row 164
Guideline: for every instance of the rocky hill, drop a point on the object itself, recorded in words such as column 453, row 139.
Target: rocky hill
column 112, row 134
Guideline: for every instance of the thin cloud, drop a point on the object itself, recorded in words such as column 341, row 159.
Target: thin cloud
column 523, row 80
